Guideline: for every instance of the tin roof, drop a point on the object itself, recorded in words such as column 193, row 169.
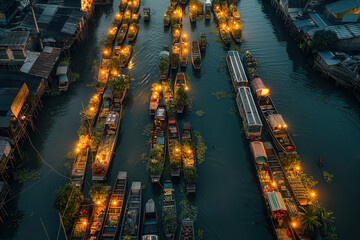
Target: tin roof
column 343, row 6
column 343, row 31
column 236, row 66
column 250, row 111
column 328, row 57
column 16, row 38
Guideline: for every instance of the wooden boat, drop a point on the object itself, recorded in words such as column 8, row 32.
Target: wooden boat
column 79, row 168
column 134, row 5
column 130, row 227
column 82, row 220
column 235, row 30
column 122, row 33
column 167, row 20
column 187, row 230
column 176, row 32
column 125, row 56
column 98, row 219
column 225, row 34
column 133, row 31
column 169, row 220
column 207, row 9
column 103, row 75
column 155, row 98
column 164, row 66
column 146, row 14
column 184, row 54
column 150, row 222
column 123, row 5
column 158, row 145
column 188, row 158
column 175, row 56
column 174, row 2
column 174, row 147
column 180, row 80
column 195, row 55
column 106, row 147
column 192, row 13
column 202, row 41
column 115, row 209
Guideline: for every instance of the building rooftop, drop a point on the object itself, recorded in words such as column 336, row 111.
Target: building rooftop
column 343, row 6
column 16, row 38
column 66, row 3
column 9, row 79
column 343, row 31
column 328, row 57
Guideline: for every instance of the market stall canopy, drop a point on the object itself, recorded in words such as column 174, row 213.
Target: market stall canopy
column 259, row 87
column 258, row 152
column 276, row 121
column 276, row 202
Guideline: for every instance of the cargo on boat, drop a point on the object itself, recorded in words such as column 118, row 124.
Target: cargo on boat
column 146, row 14
column 168, row 96
column 236, row 70
column 188, row 158
column 234, row 12
column 235, row 29
column 133, row 5
column 195, row 55
column 187, row 230
column 184, row 54
column 176, row 31
column 225, row 34
column 275, row 123
column 130, row 227
column 115, row 209
column 249, row 113
column 174, row 147
column 127, row 17
column 82, row 220
column 122, row 33
column 192, row 13
column 169, row 221
column 123, row 5
column 207, row 9
column 150, row 222
column 202, row 41
column 125, row 55
column 79, row 168
column 175, row 56
column 158, row 145
column 103, row 73
column 135, row 18
column 106, row 147
column 164, row 66
column 180, row 89
column 155, row 97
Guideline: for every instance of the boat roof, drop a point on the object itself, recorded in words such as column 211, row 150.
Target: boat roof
column 63, row 78
column 160, row 113
column 236, row 66
column 108, row 93
column 122, row 175
column 276, row 120
column 250, row 110
column 135, row 186
column 164, row 54
column 61, row 70
column 160, row 140
column 150, row 206
column 111, row 118
column 259, row 87
column 276, row 201
column 186, row 125
column 258, row 151
column 208, row 2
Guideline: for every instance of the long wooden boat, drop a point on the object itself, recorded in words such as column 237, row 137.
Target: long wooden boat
column 188, row 158
column 79, row 168
column 123, row 5
column 98, row 219
column 81, row 224
column 180, row 80
column 125, row 55
column 122, row 33
column 175, row 56
column 115, row 209
column 107, row 145
column 150, row 222
column 184, row 54
column 272, row 198
column 274, row 121
column 134, row 5
column 187, row 230
column 155, row 98
column 158, row 145
column 164, row 66
column 167, row 20
column 103, row 72
column 225, row 34
column 195, row 55
column 133, row 31
column 169, row 221
column 130, row 227
column 174, row 147
column 202, row 41
column 207, row 9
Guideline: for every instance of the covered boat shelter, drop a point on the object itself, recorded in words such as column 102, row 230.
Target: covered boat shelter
column 259, row 152
column 248, row 112
column 236, row 69
column 276, row 203
column 277, row 122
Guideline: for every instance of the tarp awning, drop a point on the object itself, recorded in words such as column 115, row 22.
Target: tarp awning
column 258, row 152
column 277, row 121
column 276, row 202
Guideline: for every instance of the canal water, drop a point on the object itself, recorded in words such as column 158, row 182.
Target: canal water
column 322, row 117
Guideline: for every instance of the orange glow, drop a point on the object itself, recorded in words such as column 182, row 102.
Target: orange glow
column 297, row 168
column 84, row 222
column 194, row 7
column 189, row 151
column 294, row 224
column 274, row 184
column 312, row 194
column 92, row 109
column 264, row 92
column 96, row 97
column 106, row 52
column 79, row 145
column 118, row 15
column 103, row 72
column 97, row 156
column 187, row 88
column 98, row 202
column 177, row 149
column 114, row 202
column 78, row 150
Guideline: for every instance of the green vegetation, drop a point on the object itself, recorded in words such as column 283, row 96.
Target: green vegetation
column 170, row 107
column 156, row 164
column 200, row 147
column 175, row 59
column 197, row 61
column 328, row 176
column 120, row 84
column 64, row 62
column 99, row 192
column 181, row 96
column 324, row 40
column 175, row 154
column 169, row 220
column 148, row 130
column 190, row 175
column 188, row 211
column 22, row 175
column 67, row 202
column 164, row 66
column 200, row 113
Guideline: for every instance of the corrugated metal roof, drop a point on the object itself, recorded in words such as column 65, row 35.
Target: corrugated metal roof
column 17, row 38
column 328, row 57
column 250, row 110
column 320, row 20
column 9, row 79
column 236, row 67
column 344, row 31
column 343, row 6
column 303, row 24
column 48, row 13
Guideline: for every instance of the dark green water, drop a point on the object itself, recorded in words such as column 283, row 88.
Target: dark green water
column 322, row 117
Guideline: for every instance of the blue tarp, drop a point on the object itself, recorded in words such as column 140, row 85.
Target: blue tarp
column 343, row 6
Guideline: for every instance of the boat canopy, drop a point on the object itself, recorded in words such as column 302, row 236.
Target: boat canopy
column 259, row 87
column 150, row 206
column 62, row 70
column 160, row 113
column 276, row 202
column 249, row 108
column 258, row 152
column 111, row 118
column 277, row 122
column 108, row 93
column 236, row 69
column 164, row 54
column 208, row 3
column 63, row 79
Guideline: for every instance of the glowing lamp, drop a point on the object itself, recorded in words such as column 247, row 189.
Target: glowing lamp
column 79, row 144
column 92, row 109
column 78, row 150
column 297, row 168
column 96, row 97
column 84, row 222
column 228, row 28
column 279, row 126
column 274, row 184
column 114, row 202
column 177, row 149
column 312, row 194
column 293, row 224
column 285, row 125
column 103, row 72
column 217, row 7
column 106, row 52
column 97, row 156
column 98, row 202
column 264, row 91
column 187, row 88
column 237, row 26
column 189, row 151
column 194, row 7
column 118, row 15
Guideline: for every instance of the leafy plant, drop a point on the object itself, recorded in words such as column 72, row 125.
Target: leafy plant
column 200, row 113
column 328, row 176
column 200, row 147
column 181, row 96
column 169, row 220
column 190, row 175
column 156, row 164
column 197, row 61
column 170, row 107
column 164, row 66
column 324, row 40
column 188, row 211
column 99, row 192
column 120, row 84
column 175, row 154
column 309, row 220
